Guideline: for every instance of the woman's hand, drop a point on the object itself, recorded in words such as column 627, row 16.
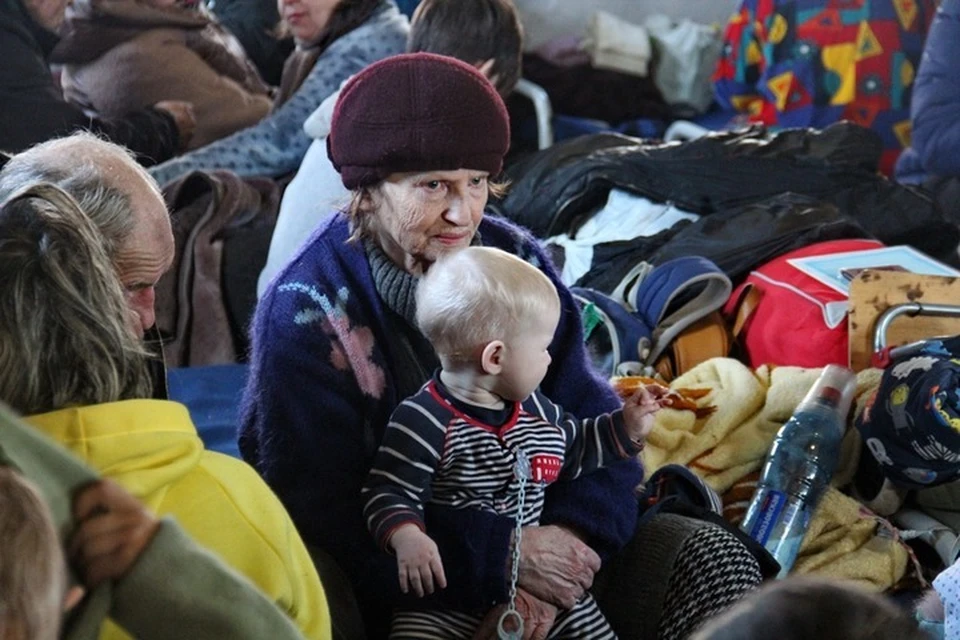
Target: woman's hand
column 555, row 565
column 183, row 116
column 418, row 561
column 113, row 529
column 538, row 617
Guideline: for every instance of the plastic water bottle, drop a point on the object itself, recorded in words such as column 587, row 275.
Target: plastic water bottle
column 799, row 467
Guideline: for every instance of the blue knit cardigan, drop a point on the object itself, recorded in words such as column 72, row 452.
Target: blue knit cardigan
column 320, row 392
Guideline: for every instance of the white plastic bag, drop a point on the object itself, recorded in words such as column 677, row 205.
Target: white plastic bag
column 685, row 56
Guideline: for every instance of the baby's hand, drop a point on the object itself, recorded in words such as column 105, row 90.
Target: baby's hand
column 418, row 560
column 639, row 410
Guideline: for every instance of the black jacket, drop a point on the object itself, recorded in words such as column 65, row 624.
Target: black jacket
column 32, row 109
column 557, row 189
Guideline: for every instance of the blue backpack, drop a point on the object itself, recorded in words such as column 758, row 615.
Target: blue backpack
column 630, row 329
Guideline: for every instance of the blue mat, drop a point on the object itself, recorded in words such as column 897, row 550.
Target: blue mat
column 407, row 7
column 212, row 394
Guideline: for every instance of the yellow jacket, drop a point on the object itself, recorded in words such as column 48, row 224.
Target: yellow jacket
column 152, row 449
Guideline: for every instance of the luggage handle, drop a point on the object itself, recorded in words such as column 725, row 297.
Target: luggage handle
column 884, row 354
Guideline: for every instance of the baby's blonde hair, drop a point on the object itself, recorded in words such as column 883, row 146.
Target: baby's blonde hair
column 33, row 572
column 479, row 294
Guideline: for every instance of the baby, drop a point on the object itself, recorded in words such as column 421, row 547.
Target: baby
column 480, row 435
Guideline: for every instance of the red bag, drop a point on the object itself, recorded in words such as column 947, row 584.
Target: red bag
column 798, row 320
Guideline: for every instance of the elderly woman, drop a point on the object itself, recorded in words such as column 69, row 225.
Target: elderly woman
column 417, row 138
column 124, row 55
column 71, row 363
column 335, row 39
column 485, row 33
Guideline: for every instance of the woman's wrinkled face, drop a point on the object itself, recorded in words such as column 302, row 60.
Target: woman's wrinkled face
column 306, row 19
column 417, row 217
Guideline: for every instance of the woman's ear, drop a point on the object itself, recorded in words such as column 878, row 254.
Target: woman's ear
column 366, row 199
column 491, row 358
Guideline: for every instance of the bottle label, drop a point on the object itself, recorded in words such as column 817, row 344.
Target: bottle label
column 769, row 515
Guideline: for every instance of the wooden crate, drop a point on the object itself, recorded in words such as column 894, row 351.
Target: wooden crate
column 873, row 292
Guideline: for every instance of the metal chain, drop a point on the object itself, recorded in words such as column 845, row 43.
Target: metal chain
column 521, row 470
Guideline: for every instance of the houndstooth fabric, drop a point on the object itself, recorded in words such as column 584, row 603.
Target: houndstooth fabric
column 712, row 571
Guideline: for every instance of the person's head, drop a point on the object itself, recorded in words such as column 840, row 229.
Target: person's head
column 49, row 14
column 320, row 22
column 33, row 572
column 812, row 607
column 484, row 33
column 121, row 199
column 417, row 138
column 491, row 312
column 64, row 335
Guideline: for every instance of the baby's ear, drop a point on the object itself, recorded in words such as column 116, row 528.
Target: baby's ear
column 74, row 596
column 491, row 358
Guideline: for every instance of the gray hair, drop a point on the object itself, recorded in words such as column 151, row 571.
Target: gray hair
column 81, row 176
column 63, row 336
column 33, row 574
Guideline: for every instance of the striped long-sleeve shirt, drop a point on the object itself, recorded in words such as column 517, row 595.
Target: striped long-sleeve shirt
column 434, row 452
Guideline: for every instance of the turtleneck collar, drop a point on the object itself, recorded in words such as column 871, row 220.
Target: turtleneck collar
column 396, row 287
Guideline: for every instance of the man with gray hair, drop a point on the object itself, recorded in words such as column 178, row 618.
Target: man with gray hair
column 121, row 199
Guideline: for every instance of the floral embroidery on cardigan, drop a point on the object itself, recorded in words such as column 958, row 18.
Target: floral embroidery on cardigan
column 351, row 347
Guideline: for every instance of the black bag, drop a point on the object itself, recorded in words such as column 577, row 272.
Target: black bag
column 736, row 240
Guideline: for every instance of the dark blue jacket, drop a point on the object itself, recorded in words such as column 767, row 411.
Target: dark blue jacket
column 935, row 107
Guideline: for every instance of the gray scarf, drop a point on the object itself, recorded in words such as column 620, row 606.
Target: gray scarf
column 396, row 287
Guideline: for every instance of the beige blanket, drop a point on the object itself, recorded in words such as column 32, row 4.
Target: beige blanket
column 731, row 443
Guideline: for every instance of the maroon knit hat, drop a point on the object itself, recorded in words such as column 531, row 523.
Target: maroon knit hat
column 417, row 112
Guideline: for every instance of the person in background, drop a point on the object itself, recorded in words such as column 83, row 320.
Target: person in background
column 335, row 349
column 933, row 158
column 254, row 23
column 119, row 197
column 801, row 607
column 34, row 110
column 123, row 55
column 335, row 39
column 71, row 362
column 484, row 33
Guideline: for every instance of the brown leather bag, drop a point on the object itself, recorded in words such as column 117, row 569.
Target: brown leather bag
column 192, row 314
column 713, row 336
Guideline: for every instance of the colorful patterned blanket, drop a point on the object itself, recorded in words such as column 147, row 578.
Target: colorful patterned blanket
column 808, row 63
